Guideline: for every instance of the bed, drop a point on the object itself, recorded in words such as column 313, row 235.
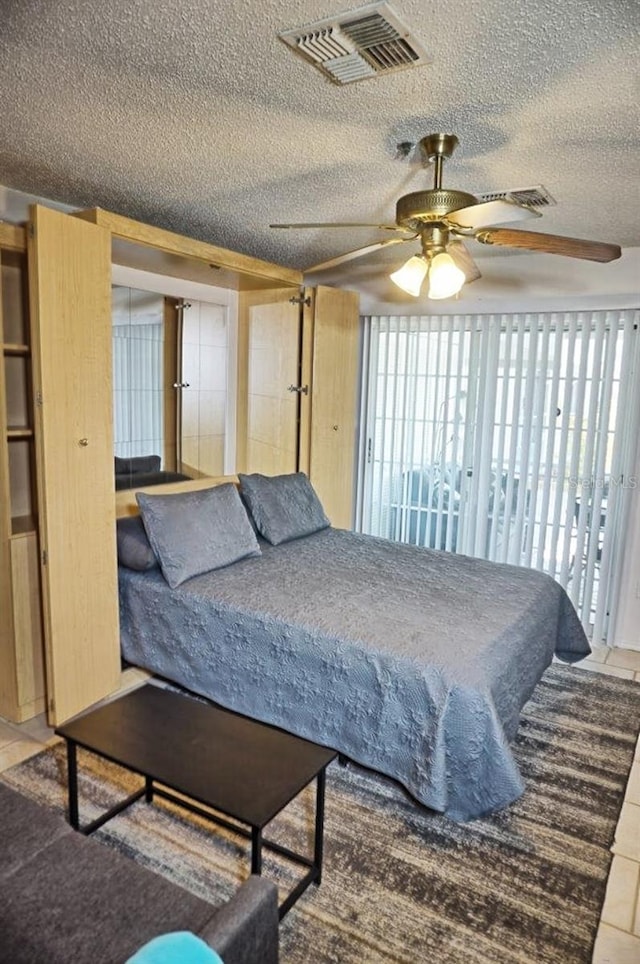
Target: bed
column 410, row 661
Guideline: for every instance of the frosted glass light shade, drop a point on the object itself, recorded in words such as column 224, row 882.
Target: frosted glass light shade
column 445, row 278
column 411, row 275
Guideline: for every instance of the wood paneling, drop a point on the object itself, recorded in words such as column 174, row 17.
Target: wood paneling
column 329, row 365
column 306, row 378
column 248, row 271
column 247, row 302
column 8, row 673
column 336, row 348
column 70, row 268
column 203, row 401
column 12, row 237
column 22, row 687
column 21, row 656
column 27, row 617
column 126, row 498
column 272, row 409
column 169, row 378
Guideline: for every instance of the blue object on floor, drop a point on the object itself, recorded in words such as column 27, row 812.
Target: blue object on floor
column 181, row 947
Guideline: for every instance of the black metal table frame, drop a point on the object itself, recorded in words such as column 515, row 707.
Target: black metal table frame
column 254, row 833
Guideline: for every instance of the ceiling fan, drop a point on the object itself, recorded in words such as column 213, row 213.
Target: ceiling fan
column 441, row 217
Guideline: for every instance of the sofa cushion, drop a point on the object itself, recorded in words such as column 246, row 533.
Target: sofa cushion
column 27, row 828
column 80, row 901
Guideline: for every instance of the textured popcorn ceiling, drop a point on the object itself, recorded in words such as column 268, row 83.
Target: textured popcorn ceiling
column 194, row 116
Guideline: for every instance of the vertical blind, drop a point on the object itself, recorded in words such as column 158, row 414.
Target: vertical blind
column 510, row 437
column 138, row 389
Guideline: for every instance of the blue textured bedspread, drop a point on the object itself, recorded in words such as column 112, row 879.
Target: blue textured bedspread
column 410, row 661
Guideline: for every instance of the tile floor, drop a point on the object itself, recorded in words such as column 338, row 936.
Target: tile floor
column 618, row 940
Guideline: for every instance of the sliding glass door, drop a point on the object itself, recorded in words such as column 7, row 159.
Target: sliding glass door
column 507, row 437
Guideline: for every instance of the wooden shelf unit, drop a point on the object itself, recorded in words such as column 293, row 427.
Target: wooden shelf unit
column 22, row 685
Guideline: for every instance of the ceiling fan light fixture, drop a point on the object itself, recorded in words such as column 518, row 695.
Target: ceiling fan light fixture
column 445, row 277
column 410, row 276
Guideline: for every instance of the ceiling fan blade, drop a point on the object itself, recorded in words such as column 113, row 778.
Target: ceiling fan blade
column 357, row 253
column 464, row 261
column 342, row 224
column 488, row 213
column 551, row 244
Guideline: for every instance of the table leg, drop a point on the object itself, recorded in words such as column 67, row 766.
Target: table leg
column 319, row 836
column 256, row 850
column 72, row 784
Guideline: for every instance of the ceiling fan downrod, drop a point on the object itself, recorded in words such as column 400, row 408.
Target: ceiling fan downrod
column 420, row 207
column 436, row 147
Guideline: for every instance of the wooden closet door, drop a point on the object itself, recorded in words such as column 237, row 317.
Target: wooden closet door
column 335, row 381
column 70, row 292
column 272, row 346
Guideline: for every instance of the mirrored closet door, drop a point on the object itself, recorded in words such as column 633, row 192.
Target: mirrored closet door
column 171, row 398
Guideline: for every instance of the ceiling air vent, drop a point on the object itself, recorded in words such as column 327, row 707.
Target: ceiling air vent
column 354, row 46
column 533, row 197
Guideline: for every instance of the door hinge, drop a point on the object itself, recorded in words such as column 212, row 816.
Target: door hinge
column 369, row 450
column 300, row 300
column 31, row 230
column 39, row 399
column 303, row 389
column 44, row 557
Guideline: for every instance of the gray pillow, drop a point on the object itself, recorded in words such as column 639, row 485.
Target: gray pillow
column 283, row 507
column 195, row 532
column 134, row 550
column 137, row 465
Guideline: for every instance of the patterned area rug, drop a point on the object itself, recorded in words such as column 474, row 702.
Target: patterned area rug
column 400, row 883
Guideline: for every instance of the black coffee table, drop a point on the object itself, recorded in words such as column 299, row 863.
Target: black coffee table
column 243, row 769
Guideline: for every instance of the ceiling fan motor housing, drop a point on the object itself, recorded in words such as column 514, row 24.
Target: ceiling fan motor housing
column 438, row 145
column 424, row 206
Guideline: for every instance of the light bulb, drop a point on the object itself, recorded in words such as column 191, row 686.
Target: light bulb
column 411, row 275
column 445, row 278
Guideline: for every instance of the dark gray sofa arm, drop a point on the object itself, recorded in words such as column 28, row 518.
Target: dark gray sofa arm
column 245, row 929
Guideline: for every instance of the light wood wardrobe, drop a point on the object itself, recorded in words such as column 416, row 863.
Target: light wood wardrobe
column 60, row 594
column 58, row 584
